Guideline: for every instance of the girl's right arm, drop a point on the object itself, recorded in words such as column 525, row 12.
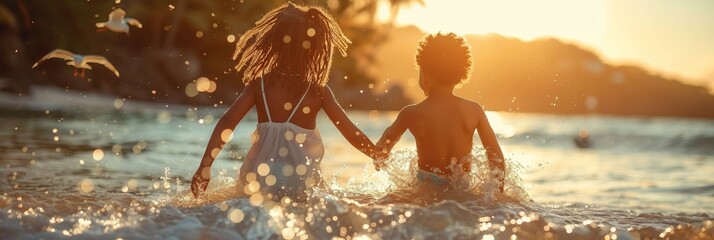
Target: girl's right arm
column 347, row 128
column 219, row 137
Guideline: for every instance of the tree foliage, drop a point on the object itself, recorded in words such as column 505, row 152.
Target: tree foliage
column 197, row 31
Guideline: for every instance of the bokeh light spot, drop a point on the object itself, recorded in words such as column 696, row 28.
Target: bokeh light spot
column 236, row 215
column 253, row 186
column 270, row 180
column 263, row 169
column 98, row 154
column 215, row 152
column 118, row 103
column 164, row 117
column 86, row 186
column 212, row 87
column 309, row 182
column 289, row 135
column 591, row 102
column 132, row 184
column 287, row 233
column 116, row 148
column 191, row 90
column 203, row 84
column 300, row 137
column 206, row 172
column 256, row 199
column 226, row 135
column 283, row 151
column 288, row 170
column 223, row 206
column 250, row 177
column 301, row 169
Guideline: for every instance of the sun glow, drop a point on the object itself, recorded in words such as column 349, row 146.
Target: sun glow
column 622, row 32
column 578, row 20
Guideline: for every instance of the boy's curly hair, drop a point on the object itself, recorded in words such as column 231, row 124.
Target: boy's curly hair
column 444, row 57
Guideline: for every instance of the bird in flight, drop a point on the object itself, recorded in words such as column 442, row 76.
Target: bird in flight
column 78, row 61
column 117, row 22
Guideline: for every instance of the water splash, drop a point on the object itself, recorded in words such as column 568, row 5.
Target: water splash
column 35, row 204
column 397, row 182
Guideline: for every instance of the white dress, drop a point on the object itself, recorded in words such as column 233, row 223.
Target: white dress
column 284, row 159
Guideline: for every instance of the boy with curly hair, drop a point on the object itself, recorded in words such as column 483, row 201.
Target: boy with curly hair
column 443, row 124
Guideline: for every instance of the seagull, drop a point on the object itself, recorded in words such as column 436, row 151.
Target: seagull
column 117, row 22
column 78, row 61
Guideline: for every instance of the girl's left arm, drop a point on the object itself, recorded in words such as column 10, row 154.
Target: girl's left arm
column 347, row 128
column 218, row 139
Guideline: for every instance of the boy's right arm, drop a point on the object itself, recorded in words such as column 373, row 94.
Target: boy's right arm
column 391, row 135
column 224, row 128
column 394, row 132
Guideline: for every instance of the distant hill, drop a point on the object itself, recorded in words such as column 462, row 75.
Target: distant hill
column 549, row 76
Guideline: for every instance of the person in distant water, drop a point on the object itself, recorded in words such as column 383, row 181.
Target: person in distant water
column 583, row 139
column 285, row 59
column 443, row 124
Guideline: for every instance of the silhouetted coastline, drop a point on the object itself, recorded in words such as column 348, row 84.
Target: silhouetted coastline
column 550, row 76
column 542, row 76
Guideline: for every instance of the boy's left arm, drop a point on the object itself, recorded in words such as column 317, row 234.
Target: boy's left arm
column 493, row 149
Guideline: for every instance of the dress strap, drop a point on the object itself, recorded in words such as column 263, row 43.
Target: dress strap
column 265, row 102
column 299, row 102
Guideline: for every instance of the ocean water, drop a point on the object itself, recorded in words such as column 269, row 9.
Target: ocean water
column 87, row 167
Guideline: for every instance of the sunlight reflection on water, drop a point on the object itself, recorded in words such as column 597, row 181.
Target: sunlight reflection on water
column 628, row 181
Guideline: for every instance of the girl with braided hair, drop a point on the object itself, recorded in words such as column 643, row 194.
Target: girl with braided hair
column 285, row 60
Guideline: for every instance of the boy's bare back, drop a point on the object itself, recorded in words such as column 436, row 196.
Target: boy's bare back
column 443, row 125
column 443, row 128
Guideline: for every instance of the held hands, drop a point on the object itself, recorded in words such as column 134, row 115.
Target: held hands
column 379, row 156
column 200, row 180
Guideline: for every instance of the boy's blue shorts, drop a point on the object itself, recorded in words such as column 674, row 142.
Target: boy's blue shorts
column 423, row 175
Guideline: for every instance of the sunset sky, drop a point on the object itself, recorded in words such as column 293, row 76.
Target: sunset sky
column 673, row 38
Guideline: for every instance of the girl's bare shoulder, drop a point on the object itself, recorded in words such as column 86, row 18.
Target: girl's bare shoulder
column 412, row 109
